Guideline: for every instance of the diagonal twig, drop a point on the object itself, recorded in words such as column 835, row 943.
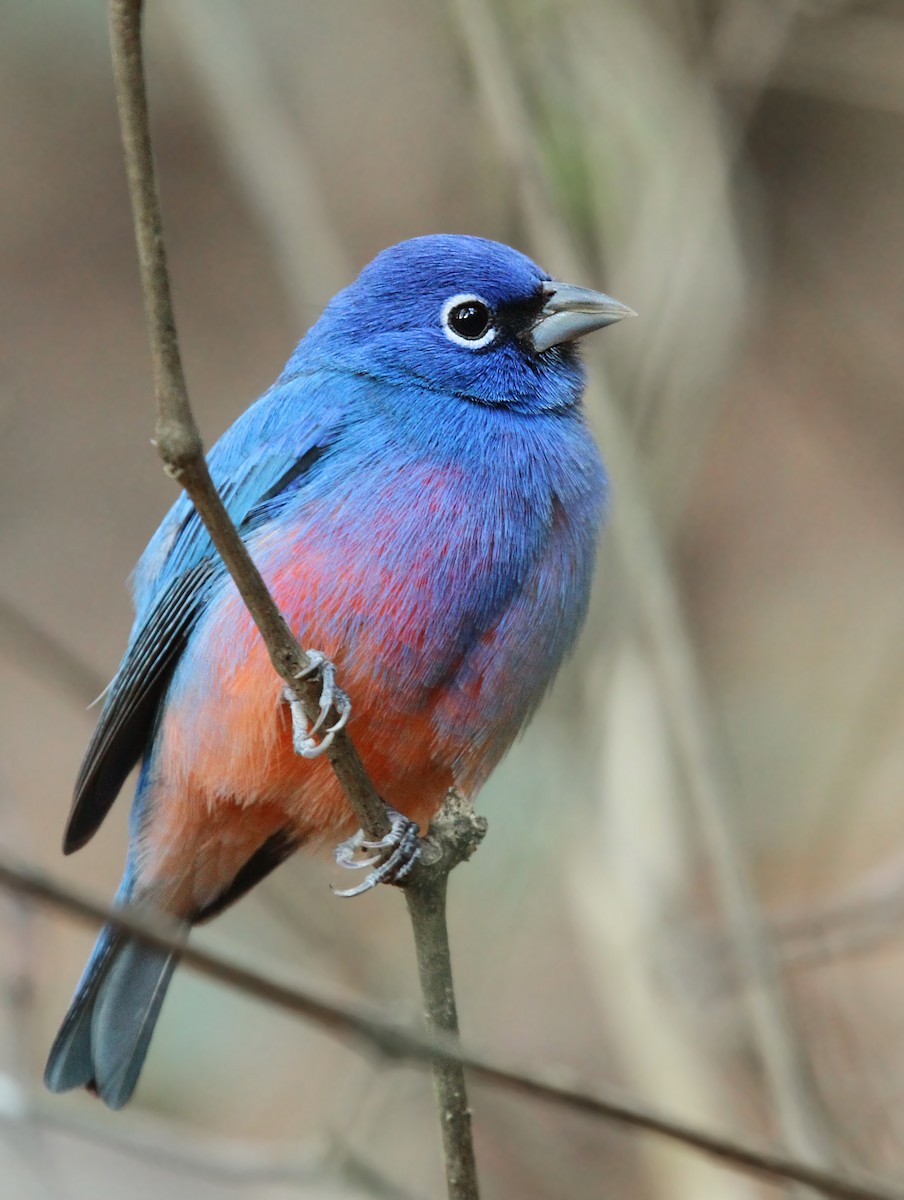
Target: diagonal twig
column 177, row 437
column 343, row 1017
column 179, row 445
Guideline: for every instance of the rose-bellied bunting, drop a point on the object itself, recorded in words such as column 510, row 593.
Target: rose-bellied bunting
column 423, row 498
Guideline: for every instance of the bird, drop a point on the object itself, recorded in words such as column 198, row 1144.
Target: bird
column 423, row 497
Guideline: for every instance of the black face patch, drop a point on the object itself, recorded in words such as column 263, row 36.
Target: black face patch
column 517, row 318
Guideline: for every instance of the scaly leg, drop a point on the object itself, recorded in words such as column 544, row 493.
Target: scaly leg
column 395, row 855
column 331, row 696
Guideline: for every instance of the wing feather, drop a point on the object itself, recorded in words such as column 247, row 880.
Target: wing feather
column 270, row 452
column 121, row 735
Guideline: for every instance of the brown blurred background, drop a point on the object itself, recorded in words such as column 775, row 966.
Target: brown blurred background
column 734, row 171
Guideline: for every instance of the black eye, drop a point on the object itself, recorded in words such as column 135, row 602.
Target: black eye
column 469, row 319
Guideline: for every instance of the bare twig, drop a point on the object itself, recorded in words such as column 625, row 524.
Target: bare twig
column 427, row 907
column 177, row 438
column 179, row 445
column 343, row 1017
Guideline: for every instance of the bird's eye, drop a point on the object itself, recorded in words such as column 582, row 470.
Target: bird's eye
column 468, row 320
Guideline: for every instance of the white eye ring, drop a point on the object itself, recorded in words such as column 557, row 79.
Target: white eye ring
column 449, row 307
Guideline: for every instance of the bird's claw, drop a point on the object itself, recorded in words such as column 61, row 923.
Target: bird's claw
column 396, row 854
column 331, row 697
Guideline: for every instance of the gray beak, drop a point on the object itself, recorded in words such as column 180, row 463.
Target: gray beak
column 570, row 312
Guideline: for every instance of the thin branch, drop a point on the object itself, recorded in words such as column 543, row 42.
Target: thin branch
column 179, row 445
column 177, row 438
column 343, row 1017
column 427, row 908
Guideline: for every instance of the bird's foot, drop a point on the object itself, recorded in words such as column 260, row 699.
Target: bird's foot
column 304, row 737
column 394, row 856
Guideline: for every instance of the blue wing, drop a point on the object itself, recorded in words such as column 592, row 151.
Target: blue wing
column 258, row 464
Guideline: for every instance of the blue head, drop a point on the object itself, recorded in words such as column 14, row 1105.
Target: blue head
column 465, row 316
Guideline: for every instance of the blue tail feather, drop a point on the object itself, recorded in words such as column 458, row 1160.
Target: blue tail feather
column 105, row 1035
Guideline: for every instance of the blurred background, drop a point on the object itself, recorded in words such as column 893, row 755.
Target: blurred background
column 693, row 883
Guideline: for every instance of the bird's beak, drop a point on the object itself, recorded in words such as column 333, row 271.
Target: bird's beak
column 570, row 313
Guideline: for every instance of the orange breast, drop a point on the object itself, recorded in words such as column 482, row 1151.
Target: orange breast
column 226, row 775
column 225, row 743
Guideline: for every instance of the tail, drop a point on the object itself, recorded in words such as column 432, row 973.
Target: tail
column 105, row 1035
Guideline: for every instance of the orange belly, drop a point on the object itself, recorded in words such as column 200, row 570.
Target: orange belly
column 226, row 777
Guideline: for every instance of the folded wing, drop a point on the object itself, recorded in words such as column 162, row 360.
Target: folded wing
column 270, row 452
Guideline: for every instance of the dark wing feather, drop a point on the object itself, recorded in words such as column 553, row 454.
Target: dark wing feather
column 121, row 735
column 275, row 850
column 258, row 464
